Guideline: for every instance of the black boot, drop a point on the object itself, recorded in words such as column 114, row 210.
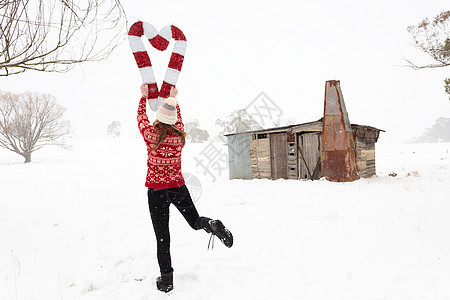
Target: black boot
column 164, row 283
column 204, row 224
column 217, row 228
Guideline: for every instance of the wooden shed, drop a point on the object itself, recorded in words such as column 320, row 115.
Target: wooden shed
column 365, row 139
column 293, row 152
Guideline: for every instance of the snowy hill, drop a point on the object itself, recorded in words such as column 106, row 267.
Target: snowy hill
column 75, row 225
column 438, row 133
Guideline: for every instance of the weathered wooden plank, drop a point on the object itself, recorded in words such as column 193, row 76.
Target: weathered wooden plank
column 264, row 161
column 360, row 166
column 264, row 165
column 263, row 152
column 279, row 155
column 312, row 126
column 260, row 158
column 368, row 154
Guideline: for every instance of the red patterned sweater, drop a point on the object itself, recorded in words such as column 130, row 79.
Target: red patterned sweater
column 164, row 166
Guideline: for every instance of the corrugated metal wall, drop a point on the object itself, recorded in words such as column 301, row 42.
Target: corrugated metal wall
column 239, row 156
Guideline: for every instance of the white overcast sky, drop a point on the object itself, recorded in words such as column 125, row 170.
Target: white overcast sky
column 288, row 49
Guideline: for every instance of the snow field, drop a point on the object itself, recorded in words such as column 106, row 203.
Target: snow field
column 75, row 225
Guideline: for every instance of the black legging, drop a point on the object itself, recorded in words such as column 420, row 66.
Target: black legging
column 159, row 201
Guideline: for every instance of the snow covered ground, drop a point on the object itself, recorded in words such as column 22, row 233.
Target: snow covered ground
column 75, row 225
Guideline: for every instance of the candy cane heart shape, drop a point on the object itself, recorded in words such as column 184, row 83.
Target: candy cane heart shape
column 159, row 40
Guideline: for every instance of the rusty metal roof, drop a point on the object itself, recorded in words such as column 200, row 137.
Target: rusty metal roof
column 293, row 127
column 279, row 129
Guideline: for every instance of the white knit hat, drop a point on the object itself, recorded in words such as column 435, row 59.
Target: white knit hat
column 167, row 112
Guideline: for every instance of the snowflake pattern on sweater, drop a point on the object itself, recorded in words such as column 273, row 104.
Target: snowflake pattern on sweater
column 164, row 164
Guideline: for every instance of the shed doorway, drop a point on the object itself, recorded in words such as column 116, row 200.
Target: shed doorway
column 278, row 157
column 308, row 146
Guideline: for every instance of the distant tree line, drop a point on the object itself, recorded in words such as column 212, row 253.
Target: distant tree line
column 438, row 133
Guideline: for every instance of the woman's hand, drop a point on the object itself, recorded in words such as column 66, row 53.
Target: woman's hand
column 144, row 90
column 173, row 92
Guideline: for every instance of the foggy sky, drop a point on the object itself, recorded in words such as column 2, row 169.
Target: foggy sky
column 286, row 49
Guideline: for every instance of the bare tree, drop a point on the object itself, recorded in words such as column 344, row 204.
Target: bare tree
column 31, row 121
column 54, row 35
column 114, row 129
column 195, row 133
column 283, row 122
column 238, row 121
column 433, row 38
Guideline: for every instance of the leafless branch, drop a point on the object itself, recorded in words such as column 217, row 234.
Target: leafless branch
column 54, row 35
column 433, row 38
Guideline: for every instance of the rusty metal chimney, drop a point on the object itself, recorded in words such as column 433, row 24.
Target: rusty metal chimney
column 338, row 145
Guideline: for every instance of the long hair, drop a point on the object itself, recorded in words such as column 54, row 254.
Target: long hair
column 161, row 129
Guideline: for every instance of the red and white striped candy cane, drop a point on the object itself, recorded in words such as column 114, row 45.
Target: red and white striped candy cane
column 160, row 40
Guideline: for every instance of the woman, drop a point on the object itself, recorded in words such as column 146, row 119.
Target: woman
column 165, row 183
